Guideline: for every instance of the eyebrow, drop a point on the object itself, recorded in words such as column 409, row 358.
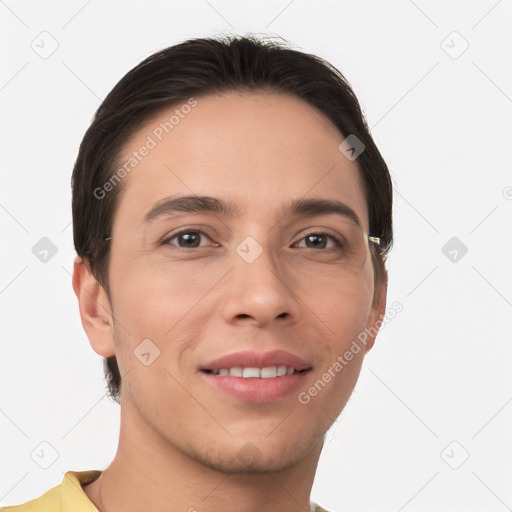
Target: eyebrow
column 207, row 204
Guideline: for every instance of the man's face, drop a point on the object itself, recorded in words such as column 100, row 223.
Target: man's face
column 252, row 281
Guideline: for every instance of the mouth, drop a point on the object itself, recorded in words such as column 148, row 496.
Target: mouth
column 268, row 372
column 257, row 377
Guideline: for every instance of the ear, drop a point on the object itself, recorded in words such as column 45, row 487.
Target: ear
column 377, row 312
column 95, row 309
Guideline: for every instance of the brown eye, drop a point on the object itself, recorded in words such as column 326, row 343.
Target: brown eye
column 319, row 241
column 186, row 239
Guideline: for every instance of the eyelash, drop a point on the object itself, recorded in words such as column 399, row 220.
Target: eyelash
column 338, row 241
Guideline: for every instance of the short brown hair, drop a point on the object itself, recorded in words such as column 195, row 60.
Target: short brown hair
column 199, row 67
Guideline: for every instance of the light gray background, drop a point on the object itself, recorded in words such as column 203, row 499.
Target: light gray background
column 436, row 387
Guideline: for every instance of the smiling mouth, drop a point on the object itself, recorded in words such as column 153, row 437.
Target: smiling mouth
column 268, row 372
column 257, row 385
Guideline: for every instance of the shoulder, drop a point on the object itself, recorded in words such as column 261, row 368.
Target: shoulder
column 65, row 497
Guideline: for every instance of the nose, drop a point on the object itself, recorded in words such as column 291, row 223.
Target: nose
column 260, row 291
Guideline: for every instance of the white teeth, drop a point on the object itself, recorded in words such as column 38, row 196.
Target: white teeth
column 251, row 372
column 268, row 372
column 236, row 372
column 281, row 371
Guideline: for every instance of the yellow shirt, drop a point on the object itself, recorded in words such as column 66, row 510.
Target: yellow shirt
column 70, row 497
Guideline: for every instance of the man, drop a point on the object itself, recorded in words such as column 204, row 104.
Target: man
column 232, row 216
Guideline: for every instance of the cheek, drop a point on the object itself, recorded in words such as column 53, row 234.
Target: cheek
column 343, row 303
column 149, row 305
column 151, row 297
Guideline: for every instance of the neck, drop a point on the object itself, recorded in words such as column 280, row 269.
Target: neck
column 150, row 472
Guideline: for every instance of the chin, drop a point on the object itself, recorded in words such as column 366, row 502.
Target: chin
column 260, row 456
column 246, row 465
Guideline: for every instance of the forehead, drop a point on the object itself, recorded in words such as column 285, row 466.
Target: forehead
column 258, row 150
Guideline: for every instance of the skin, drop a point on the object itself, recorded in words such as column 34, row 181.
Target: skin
column 180, row 437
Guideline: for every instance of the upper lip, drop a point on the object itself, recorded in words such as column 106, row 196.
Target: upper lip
column 252, row 359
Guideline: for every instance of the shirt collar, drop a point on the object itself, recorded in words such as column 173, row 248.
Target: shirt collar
column 74, row 498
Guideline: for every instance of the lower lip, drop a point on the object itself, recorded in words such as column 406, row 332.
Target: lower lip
column 257, row 390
